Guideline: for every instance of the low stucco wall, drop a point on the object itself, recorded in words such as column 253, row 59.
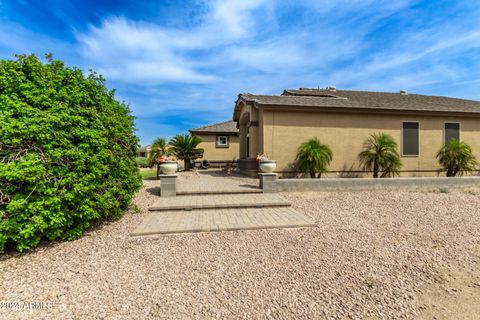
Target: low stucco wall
column 347, row 184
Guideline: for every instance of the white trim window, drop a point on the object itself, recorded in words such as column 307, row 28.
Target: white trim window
column 410, row 138
column 451, row 130
column 222, row 141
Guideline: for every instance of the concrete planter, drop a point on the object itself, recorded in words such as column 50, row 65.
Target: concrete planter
column 267, row 166
column 168, row 167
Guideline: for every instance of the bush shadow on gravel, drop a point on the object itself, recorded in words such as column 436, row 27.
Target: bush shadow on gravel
column 44, row 245
column 153, row 190
column 150, row 178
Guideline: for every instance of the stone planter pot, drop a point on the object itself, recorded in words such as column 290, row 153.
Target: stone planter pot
column 267, row 166
column 168, row 167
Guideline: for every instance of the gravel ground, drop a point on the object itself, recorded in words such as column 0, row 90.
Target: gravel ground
column 370, row 257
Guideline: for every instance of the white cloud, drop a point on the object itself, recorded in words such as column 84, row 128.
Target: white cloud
column 132, row 52
column 126, row 50
column 234, row 15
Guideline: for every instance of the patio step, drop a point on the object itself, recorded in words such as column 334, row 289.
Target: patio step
column 219, row 201
column 209, row 192
column 166, row 222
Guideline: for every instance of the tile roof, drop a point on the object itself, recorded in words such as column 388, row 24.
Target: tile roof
column 221, row 127
column 365, row 100
column 145, row 148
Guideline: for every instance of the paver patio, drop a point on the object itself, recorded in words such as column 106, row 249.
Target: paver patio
column 221, row 220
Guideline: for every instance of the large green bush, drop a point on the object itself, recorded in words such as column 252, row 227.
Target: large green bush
column 67, row 152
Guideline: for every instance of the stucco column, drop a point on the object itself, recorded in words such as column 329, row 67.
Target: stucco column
column 253, row 132
column 243, row 140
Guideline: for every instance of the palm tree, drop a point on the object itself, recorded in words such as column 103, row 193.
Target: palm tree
column 185, row 147
column 380, row 154
column 456, row 157
column 312, row 156
column 159, row 148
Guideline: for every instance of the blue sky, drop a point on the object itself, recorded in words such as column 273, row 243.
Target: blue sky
column 181, row 64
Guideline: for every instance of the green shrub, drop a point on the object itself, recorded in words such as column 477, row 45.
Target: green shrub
column 143, row 162
column 456, row 157
column 380, row 155
column 67, row 152
column 313, row 156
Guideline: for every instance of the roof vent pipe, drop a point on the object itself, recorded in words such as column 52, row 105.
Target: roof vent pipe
column 403, row 92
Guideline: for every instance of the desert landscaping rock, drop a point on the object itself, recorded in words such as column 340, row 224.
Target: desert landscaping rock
column 372, row 255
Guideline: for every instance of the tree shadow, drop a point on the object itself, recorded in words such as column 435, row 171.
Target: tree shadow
column 351, row 172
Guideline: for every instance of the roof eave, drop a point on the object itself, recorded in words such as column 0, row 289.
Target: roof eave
column 213, row 132
column 368, row 110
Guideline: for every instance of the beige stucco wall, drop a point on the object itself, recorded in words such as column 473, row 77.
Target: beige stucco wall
column 211, row 152
column 284, row 131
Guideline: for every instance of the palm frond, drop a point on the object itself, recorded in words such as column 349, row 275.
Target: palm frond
column 159, row 148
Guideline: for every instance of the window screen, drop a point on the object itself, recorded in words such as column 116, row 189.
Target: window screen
column 410, row 139
column 452, row 131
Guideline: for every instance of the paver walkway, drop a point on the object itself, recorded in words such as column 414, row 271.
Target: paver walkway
column 215, row 181
column 215, row 201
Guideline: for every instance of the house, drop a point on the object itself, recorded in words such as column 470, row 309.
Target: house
column 344, row 119
column 220, row 141
column 144, row 152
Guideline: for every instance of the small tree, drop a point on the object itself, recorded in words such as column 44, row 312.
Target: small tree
column 159, row 148
column 313, row 156
column 380, row 154
column 456, row 157
column 185, row 147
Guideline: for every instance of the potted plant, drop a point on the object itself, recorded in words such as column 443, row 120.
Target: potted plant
column 266, row 165
column 168, row 165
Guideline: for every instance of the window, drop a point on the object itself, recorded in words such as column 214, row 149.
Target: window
column 410, row 139
column 451, row 131
column 222, row 141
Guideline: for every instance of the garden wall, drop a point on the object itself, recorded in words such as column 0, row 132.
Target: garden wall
column 271, row 184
